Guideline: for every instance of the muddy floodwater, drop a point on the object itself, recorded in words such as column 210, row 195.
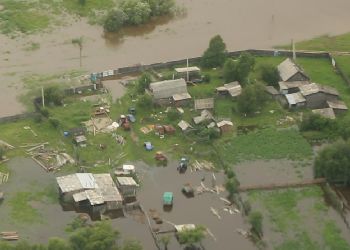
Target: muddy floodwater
column 242, row 24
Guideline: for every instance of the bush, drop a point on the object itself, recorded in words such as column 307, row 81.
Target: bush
column 206, row 78
column 115, row 20
column 143, row 82
column 173, row 115
column 253, row 97
column 269, row 74
column 45, row 112
column 37, row 118
column 215, row 55
column 246, row 207
column 54, row 122
column 230, row 174
column 138, row 12
column 54, row 95
column 315, row 122
column 255, row 219
column 161, row 7
column 240, row 69
column 231, row 186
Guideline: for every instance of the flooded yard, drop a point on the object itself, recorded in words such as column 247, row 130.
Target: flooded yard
column 268, row 23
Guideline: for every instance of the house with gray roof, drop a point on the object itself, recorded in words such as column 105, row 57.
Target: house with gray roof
column 317, row 95
column 289, row 71
column 338, row 106
column 291, row 87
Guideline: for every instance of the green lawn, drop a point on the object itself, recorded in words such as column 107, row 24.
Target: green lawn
column 344, row 63
column 286, row 212
column 324, row 43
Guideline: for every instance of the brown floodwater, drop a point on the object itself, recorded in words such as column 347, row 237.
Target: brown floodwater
column 242, row 24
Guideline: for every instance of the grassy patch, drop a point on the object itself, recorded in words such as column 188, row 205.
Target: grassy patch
column 344, row 63
column 324, row 43
column 265, row 144
column 332, row 237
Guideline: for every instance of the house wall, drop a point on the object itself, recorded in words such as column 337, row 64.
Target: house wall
column 339, row 111
column 226, row 129
column 128, row 190
column 318, row 100
column 297, row 77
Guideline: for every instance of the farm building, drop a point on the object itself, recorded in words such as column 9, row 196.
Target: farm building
column 205, row 116
column 225, row 126
column 165, row 92
column 200, row 104
column 232, row 89
column 317, row 95
column 96, row 193
column 193, row 72
column 127, row 186
column 181, row 99
column 338, row 106
column 295, row 100
column 291, row 87
column 290, row 72
column 184, row 125
column 326, row 113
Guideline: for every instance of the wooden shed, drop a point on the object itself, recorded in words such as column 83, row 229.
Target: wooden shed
column 127, row 186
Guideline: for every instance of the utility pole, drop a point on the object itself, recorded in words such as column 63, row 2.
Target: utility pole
column 188, row 74
column 42, row 97
column 293, row 48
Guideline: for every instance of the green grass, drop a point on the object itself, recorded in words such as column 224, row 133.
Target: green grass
column 23, row 212
column 344, row 63
column 265, row 144
column 324, row 43
column 286, row 217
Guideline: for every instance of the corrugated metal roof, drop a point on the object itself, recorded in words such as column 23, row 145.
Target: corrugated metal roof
column 207, row 103
column 168, row 88
column 126, row 181
column 184, row 125
column 235, row 91
column 87, row 180
column 295, row 98
column 290, row 85
column 326, row 112
column 223, row 123
column 81, row 196
column 287, row 69
column 314, row 88
column 69, row 183
column 189, row 69
column 337, row 105
column 182, row 96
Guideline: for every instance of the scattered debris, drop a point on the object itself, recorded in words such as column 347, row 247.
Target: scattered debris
column 31, row 130
column 6, row 145
column 246, row 234
column 4, row 177
column 215, row 212
column 9, row 235
column 120, row 139
column 202, row 165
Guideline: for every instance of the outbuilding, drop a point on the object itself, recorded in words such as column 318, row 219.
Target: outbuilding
column 207, row 103
column 127, row 186
column 295, row 100
column 232, row 89
column 289, row 71
column 317, row 95
column 339, row 107
column 225, row 126
column 291, row 87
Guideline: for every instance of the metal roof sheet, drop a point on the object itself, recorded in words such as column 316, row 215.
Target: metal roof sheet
column 326, row 112
column 287, row 69
column 337, row 105
column 126, row 181
column 295, row 98
column 182, row 96
column 168, row 88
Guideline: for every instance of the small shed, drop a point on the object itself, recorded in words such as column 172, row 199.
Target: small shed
column 181, row 99
column 232, row 89
column 225, row 126
column 184, row 125
column 80, row 140
column 193, row 72
column 207, row 103
column 127, row 186
column 289, row 71
column 326, row 113
column 165, row 92
column 338, row 106
column 295, row 100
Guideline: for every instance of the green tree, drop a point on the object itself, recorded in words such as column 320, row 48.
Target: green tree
column 252, row 98
column 191, row 237
column 333, row 163
column 245, row 64
column 255, row 220
column 79, row 42
column 98, row 236
column 231, row 186
column 143, row 82
column 53, row 95
column 58, row 244
column 229, row 70
column 138, row 12
column 115, row 20
column 161, row 7
column 269, row 74
column 215, row 55
column 132, row 245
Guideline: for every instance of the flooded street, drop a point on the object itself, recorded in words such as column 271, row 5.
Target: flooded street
column 242, row 24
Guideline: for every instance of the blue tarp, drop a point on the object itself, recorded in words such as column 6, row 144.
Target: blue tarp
column 148, row 146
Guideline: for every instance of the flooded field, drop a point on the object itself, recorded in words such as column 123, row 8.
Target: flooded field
column 242, row 24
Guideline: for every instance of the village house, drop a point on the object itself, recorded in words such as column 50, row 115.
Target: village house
column 290, row 72
column 127, row 186
column 96, row 193
column 191, row 72
column 295, row 100
column 291, row 87
column 326, row 113
column 317, row 95
column 232, row 89
column 338, row 106
column 207, row 103
column 170, row 92
column 225, row 126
